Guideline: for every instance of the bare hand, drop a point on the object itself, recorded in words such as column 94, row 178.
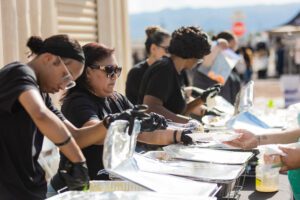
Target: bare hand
column 247, row 140
column 291, row 160
column 223, row 43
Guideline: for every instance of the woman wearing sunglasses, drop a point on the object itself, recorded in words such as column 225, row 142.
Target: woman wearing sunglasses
column 156, row 45
column 94, row 97
column 161, row 88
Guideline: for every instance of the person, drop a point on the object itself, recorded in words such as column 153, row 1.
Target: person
column 247, row 54
column 156, row 46
column 93, row 98
column 27, row 115
column 290, row 162
column 224, row 40
column 161, row 87
column 261, row 59
column 244, row 66
column 280, row 53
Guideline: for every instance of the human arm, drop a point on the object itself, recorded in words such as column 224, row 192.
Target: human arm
column 291, row 160
column 166, row 137
column 210, row 58
column 49, row 124
column 201, row 99
column 248, row 140
column 156, row 105
column 92, row 132
column 83, row 120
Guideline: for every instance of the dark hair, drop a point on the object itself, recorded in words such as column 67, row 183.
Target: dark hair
column 261, row 46
column 60, row 45
column 155, row 35
column 93, row 52
column 189, row 42
column 224, row 35
column 247, row 55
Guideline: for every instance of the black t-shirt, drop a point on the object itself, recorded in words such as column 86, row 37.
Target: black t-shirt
column 162, row 81
column 81, row 106
column 21, row 175
column 134, row 79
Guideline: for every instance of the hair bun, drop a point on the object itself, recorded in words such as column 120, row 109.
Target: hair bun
column 35, row 44
column 151, row 30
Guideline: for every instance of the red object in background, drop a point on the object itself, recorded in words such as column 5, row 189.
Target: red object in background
column 238, row 28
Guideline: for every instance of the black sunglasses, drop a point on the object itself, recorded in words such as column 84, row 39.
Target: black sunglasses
column 110, row 70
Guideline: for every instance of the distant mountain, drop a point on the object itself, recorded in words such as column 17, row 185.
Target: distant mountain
column 257, row 18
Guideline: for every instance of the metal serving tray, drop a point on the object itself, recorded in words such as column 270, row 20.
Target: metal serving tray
column 225, row 176
column 112, row 186
column 208, row 155
column 74, row 195
column 162, row 183
column 211, row 172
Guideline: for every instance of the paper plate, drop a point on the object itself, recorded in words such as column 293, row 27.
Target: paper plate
column 218, row 136
column 225, row 136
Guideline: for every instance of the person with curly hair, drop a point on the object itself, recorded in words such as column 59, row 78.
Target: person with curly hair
column 161, row 88
column 156, row 45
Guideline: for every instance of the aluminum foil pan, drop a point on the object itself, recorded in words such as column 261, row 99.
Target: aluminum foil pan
column 112, row 186
column 118, row 160
column 162, row 183
column 208, row 155
column 74, row 195
column 210, row 172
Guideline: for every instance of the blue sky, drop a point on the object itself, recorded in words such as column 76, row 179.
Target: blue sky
column 140, row 6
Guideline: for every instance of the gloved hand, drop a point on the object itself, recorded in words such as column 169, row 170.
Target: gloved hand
column 153, row 122
column 214, row 112
column 210, row 92
column 76, row 177
column 125, row 115
column 185, row 139
column 138, row 112
column 73, row 175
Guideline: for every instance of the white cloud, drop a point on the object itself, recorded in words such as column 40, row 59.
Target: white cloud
column 138, row 6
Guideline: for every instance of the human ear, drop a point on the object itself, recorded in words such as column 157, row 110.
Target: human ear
column 153, row 48
column 88, row 72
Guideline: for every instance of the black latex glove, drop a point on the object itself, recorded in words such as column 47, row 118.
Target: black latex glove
column 125, row 115
column 73, row 175
column 210, row 92
column 185, row 139
column 214, row 112
column 138, row 112
column 57, row 180
column 153, row 122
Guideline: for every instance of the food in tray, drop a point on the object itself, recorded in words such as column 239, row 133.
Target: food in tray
column 199, row 128
column 216, row 121
column 158, row 155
